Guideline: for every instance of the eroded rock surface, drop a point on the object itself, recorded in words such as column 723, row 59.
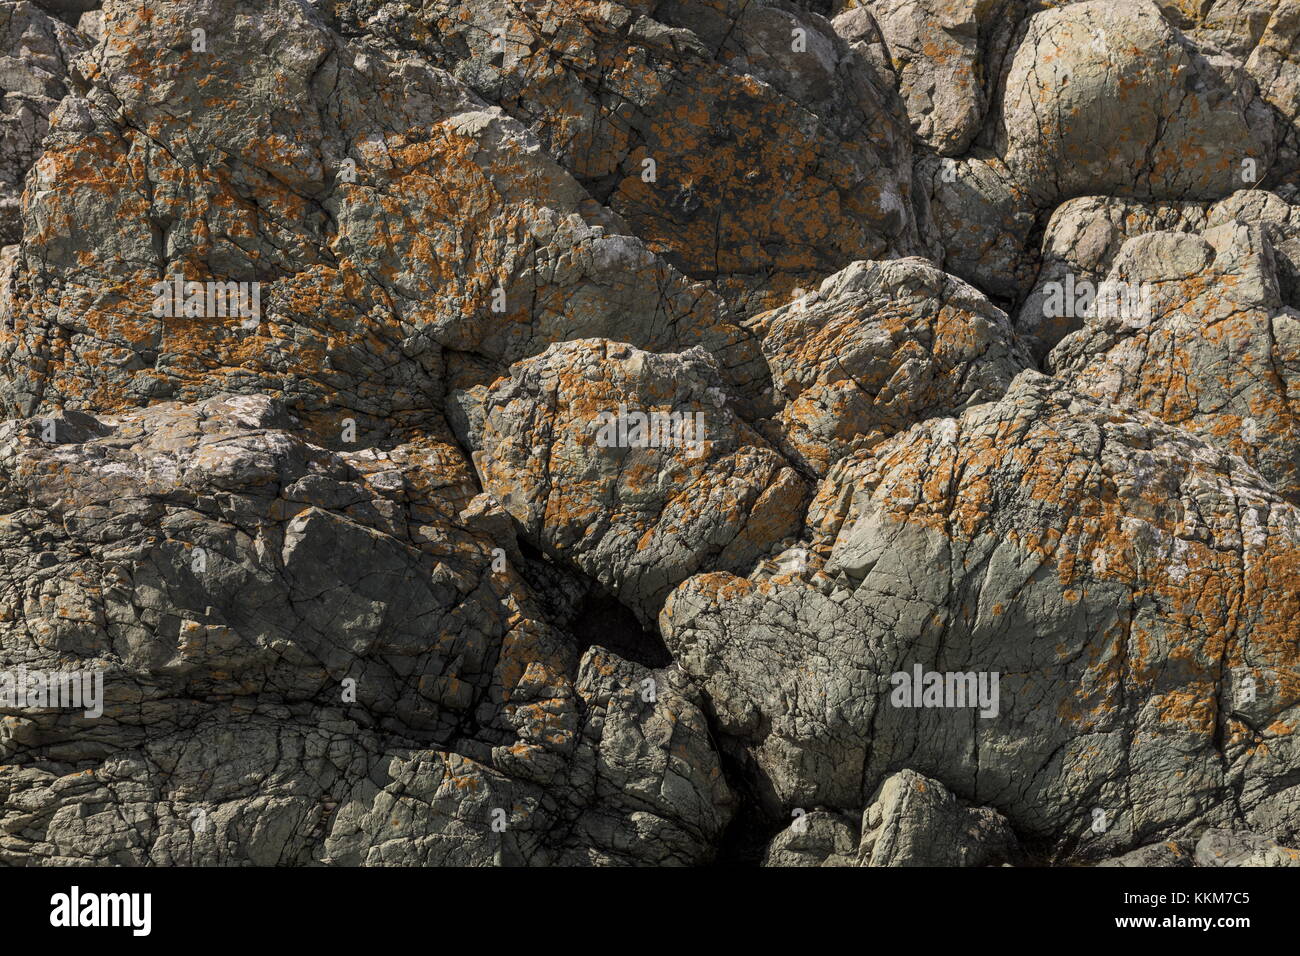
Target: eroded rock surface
column 649, row 433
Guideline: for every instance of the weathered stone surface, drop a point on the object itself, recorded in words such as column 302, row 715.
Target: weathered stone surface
column 1228, row 848
column 305, row 646
column 372, row 574
column 1102, row 563
column 981, row 220
column 915, row 821
column 815, row 839
column 636, row 516
column 458, row 232
column 1214, row 351
column 1084, row 236
column 34, row 53
column 879, row 347
column 1167, row 853
column 939, row 49
column 817, row 175
column 1107, row 97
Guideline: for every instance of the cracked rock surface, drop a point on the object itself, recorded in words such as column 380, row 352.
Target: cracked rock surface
column 649, row 432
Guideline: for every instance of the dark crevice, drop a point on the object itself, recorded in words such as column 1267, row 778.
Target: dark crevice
column 601, row 619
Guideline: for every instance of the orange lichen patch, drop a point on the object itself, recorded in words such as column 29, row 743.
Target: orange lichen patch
column 766, row 197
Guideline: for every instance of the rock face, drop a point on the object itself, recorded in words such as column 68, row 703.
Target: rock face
column 34, row 53
column 649, row 433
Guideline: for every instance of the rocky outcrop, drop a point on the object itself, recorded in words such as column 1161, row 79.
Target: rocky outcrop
column 1109, row 570
column 34, row 52
column 851, row 433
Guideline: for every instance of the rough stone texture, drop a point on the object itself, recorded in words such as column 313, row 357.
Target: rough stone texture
column 1169, row 853
column 34, row 52
column 914, row 821
column 879, row 347
column 1219, row 354
column 637, row 519
column 371, row 575
column 981, row 220
column 1226, row 848
column 228, row 579
column 815, row 839
column 1117, row 572
column 364, row 284
column 818, row 175
column 1107, row 97
column 939, row 49
column 1084, row 236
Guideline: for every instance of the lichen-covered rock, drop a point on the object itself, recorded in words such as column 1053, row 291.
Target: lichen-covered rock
column 1200, row 339
column 376, row 211
column 640, row 102
column 879, row 347
column 34, row 52
column 1121, row 576
column 981, row 220
column 1107, row 97
column 1084, row 236
column 633, row 467
column 591, row 432
column 940, row 50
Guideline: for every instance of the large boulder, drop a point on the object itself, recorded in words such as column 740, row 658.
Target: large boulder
column 1107, row 97
column 1088, row 578
column 633, row 467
